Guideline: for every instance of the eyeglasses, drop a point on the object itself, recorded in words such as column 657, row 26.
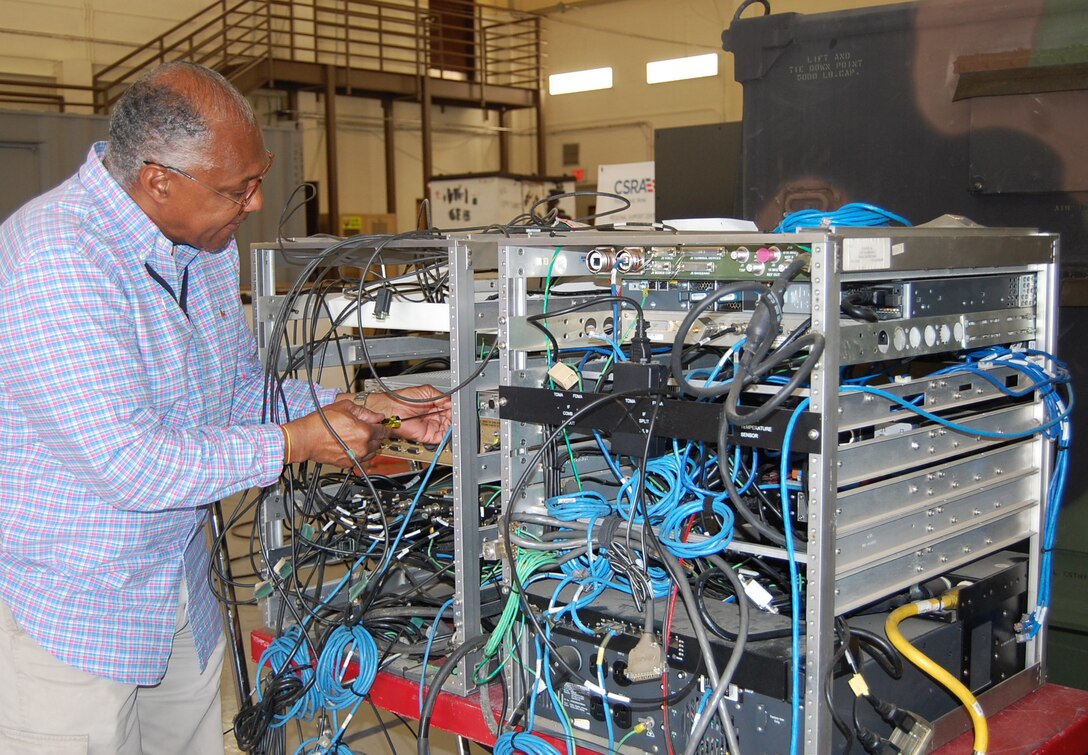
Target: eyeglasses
column 243, row 199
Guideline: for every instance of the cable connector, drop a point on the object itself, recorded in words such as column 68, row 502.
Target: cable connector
column 913, row 737
column 284, row 567
column 890, row 712
column 646, row 659
column 1029, row 625
column 870, row 741
column 759, row 595
column 383, row 302
column 356, row 589
column 859, row 686
column 565, row 376
column 639, row 350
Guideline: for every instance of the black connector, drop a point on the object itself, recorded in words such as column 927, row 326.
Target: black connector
column 383, row 301
column 639, row 349
column 891, row 714
column 628, row 376
column 874, row 744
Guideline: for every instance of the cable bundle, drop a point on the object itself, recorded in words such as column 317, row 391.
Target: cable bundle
column 675, row 526
column 853, row 214
column 289, row 655
column 1051, row 378
column 345, row 644
column 515, row 741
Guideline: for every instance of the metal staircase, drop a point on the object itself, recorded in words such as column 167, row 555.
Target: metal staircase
column 474, row 54
column 449, row 52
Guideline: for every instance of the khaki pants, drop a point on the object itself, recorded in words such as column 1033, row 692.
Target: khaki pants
column 49, row 708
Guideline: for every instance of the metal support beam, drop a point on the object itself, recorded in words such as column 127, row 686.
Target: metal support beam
column 237, row 648
column 425, row 118
column 390, row 156
column 538, row 98
column 292, row 104
column 504, row 141
column 541, row 142
column 331, row 177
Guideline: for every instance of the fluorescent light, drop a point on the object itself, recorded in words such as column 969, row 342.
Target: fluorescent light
column 678, row 69
column 580, row 81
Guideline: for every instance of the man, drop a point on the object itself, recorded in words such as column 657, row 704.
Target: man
column 130, row 398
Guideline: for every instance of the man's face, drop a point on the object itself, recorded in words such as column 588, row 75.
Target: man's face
column 207, row 205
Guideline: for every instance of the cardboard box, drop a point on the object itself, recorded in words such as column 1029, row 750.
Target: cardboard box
column 368, row 224
column 483, row 199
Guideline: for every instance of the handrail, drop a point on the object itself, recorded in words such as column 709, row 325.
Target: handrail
column 24, row 92
column 159, row 40
column 487, row 45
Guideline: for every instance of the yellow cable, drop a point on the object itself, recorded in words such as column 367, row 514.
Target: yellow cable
column 922, row 661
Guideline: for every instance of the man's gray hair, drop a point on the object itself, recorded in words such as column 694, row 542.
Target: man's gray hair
column 158, row 120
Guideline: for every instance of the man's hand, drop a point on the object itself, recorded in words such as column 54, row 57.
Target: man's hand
column 360, row 429
column 424, row 421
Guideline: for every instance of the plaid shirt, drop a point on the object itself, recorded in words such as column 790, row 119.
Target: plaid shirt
column 120, row 420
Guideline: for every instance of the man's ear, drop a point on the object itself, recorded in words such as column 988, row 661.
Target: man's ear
column 154, row 182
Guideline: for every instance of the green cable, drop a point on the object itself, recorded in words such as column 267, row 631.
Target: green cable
column 547, row 294
column 528, row 563
column 608, row 362
column 430, row 554
column 494, row 495
column 544, row 322
column 511, row 643
column 573, row 466
column 625, row 737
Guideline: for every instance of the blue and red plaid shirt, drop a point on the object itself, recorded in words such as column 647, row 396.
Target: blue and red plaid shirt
column 120, row 420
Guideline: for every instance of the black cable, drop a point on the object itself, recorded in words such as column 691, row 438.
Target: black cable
column 535, row 320
column 716, row 628
column 855, row 306
column 814, row 342
column 452, row 661
column 676, row 365
column 880, row 650
column 385, row 728
column 624, row 204
column 842, row 634
column 738, row 504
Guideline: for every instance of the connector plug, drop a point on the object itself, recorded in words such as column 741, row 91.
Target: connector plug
column 759, row 595
column 646, row 659
column 913, row 737
column 383, row 302
column 356, row 588
column 565, row 376
column 284, row 567
column 1028, row 626
column 639, row 350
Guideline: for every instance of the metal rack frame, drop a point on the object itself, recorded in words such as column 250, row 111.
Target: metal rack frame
column 454, row 339
column 841, row 256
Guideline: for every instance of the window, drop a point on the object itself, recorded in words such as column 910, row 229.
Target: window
column 678, row 69
column 580, row 81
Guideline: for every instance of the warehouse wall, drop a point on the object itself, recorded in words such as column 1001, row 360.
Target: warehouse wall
column 617, row 125
column 465, row 140
column 66, row 40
